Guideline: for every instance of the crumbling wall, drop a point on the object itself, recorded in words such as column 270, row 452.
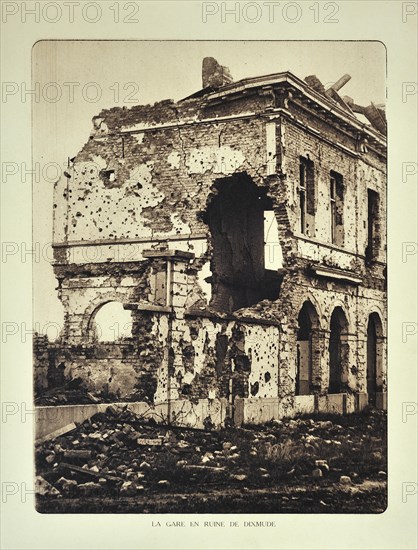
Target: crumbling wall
column 330, row 150
column 41, row 362
column 129, row 185
column 226, row 358
column 147, row 179
column 133, row 369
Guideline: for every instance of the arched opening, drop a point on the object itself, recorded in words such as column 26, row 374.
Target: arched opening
column 374, row 356
column 306, row 343
column 110, row 322
column 338, row 350
column 240, row 230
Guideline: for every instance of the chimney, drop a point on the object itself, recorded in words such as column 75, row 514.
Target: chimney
column 314, row 82
column 213, row 74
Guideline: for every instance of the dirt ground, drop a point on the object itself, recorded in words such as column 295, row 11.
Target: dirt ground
column 117, row 462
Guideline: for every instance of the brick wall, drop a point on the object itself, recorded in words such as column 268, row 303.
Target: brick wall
column 145, row 179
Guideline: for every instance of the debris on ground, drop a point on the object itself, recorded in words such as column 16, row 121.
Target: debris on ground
column 117, row 454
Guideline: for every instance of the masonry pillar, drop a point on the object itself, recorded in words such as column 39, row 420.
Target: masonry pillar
column 176, row 284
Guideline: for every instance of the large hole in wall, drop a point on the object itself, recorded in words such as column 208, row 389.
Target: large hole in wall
column 111, row 323
column 236, row 218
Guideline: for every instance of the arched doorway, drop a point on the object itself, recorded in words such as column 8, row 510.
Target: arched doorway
column 307, row 324
column 337, row 350
column 374, row 356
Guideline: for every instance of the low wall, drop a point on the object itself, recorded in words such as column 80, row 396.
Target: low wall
column 334, row 403
column 382, row 401
column 208, row 412
column 182, row 413
column 304, row 404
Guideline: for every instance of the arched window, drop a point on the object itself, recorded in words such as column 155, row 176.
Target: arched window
column 306, row 343
column 110, row 322
column 338, row 350
column 374, row 356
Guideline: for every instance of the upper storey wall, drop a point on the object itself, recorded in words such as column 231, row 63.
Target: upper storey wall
column 148, row 172
column 155, row 181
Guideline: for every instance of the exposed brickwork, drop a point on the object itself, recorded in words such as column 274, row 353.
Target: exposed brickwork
column 146, row 179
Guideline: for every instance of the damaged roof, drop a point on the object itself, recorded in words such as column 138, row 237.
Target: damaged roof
column 217, row 83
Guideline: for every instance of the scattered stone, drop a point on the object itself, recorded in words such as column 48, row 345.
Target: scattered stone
column 50, row 458
column 181, row 462
column 234, row 456
column 95, row 435
column 85, row 470
column 277, row 423
column 324, row 424
column 164, row 482
column 207, row 457
column 239, row 477
column 381, row 473
column 170, row 437
column 66, row 484
column 317, row 473
column 323, row 464
column 226, row 445
column 42, row 487
column 144, row 465
column 345, row 480
column 82, row 454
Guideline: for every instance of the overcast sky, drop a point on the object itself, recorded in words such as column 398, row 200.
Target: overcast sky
column 104, row 74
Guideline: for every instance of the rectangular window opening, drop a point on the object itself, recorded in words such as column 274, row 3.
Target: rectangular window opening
column 307, row 197
column 373, row 241
column 336, row 192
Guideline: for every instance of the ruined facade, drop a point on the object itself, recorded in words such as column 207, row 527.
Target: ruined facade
column 241, row 231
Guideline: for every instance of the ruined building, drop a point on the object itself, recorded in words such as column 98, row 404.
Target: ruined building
column 241, row 233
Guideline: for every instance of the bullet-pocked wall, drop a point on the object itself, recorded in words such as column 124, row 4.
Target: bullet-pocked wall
column 327, row 271
column 164, row 210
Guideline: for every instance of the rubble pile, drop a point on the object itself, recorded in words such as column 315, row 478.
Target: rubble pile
column 74, row 392
column 119, row 454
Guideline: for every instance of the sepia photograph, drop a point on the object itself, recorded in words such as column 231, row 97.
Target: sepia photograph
column 210, row 300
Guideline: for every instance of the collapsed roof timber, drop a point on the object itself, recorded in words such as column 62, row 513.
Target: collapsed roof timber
column 241, row 230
